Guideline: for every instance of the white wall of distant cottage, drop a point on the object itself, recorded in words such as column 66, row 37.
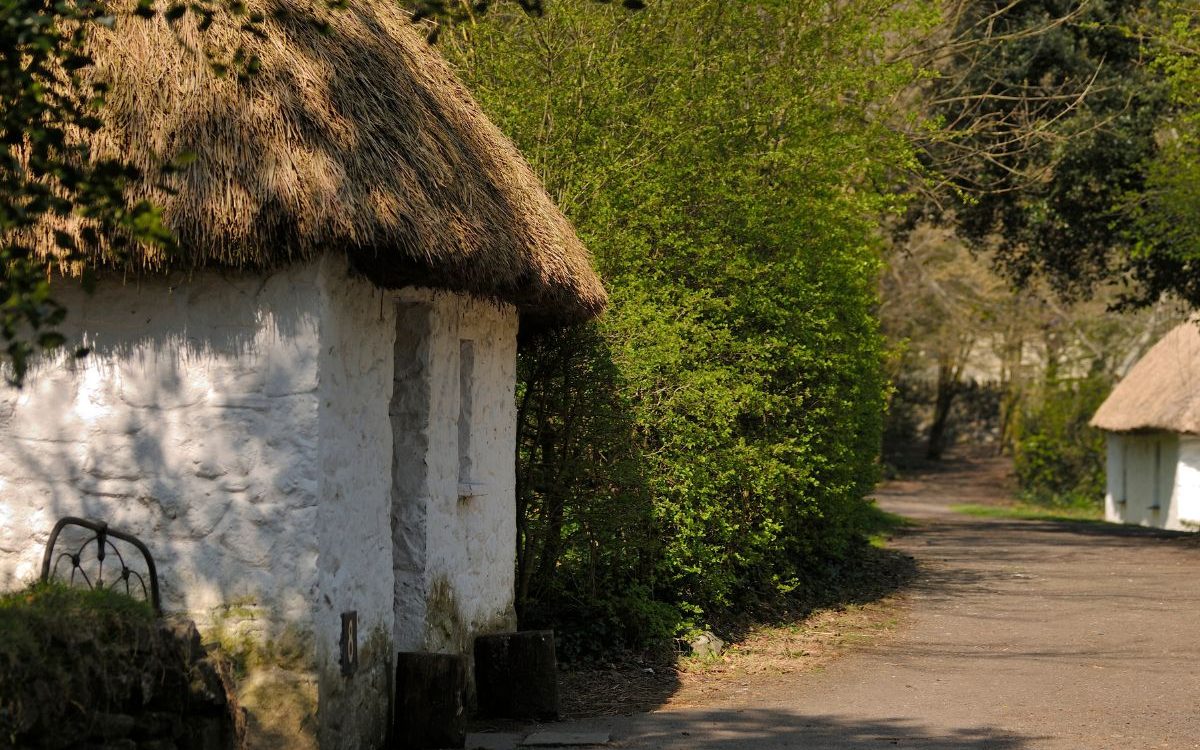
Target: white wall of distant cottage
column 1154, row 480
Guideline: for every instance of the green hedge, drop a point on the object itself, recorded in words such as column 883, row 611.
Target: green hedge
column 708, row 443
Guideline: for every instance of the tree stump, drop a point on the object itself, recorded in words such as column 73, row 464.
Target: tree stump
column 516, row 675
column 431, row 692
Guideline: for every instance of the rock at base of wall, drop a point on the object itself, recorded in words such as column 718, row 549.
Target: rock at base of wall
column 516, row 675
column 431, row 692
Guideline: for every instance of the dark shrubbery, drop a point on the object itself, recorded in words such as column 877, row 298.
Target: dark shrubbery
column 1059, row 458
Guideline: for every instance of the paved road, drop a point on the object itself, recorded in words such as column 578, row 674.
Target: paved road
column 1020, row 635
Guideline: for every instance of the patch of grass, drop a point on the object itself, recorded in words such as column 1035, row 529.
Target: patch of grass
column 66, row 653
column 30, row 615
column 57, row 597
column 1027, row 512
column 879, row 525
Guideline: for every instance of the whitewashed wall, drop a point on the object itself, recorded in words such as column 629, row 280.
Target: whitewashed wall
column 1187, row 483
column 1153, row 479
column 1114, row 476
column 355, row 549
column 192, row 424
column 289, row 447
column 455, row 532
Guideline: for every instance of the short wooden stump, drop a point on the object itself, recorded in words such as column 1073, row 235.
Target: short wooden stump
column 516, row 675
column 430, row 709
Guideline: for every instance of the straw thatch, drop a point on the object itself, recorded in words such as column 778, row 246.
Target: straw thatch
column 358, row 137
column 1162, row 391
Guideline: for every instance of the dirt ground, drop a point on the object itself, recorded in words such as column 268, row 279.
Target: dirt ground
column 809, row 645
column 1016, row 634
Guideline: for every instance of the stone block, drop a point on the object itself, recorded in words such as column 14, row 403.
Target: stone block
column 707, row 646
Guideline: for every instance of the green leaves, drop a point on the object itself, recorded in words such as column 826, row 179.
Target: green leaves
column 1164, row 253
column 1053, row 118
column 711, row 438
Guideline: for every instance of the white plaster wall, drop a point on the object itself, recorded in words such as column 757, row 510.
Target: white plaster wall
column 191, row 424
column 1149, row 500
column 456, row 541
column 1187, row 483
column 355, row 458
column 1114, row 496
column 245, row 428
column 476, row 547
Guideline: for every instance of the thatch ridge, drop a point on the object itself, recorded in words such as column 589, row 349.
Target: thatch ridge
column 359, row 139
column 1162, row 391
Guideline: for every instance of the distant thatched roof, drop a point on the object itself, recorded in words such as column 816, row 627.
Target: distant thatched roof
column 359, row 139
column 1162, row 391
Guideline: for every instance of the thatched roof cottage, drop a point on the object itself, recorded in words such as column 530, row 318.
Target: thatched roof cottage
column 309, row 410
column 1152, row 421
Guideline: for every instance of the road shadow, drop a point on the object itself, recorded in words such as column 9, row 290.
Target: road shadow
column 635, row 683
column 769, row 729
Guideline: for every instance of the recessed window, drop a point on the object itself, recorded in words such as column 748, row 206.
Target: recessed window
column 1124, row 491
column 466, row 395
column 1155, row 498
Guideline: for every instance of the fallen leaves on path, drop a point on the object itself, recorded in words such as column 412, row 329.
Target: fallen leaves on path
column 751, row 665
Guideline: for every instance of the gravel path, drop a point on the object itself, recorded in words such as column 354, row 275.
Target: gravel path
column 1019, row 634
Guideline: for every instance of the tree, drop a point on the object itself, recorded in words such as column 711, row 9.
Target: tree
column 1165, row 255
column 944, row 308
column 1051, row 114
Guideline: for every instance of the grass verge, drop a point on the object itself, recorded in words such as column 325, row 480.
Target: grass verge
column 879, row 525
column 1027, row 512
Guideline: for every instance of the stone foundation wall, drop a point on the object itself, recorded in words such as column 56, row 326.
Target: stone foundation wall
column 149, row 686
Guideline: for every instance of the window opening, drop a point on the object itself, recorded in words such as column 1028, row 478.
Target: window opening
column 466, row 388
column 1154, row 501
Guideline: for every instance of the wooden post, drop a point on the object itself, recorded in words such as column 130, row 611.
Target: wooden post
column 516, row 675
column 430, row 710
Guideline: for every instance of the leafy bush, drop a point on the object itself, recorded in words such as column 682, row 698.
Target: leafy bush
column 1059, row 458
column 708, row 443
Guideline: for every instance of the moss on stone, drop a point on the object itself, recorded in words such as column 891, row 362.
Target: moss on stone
column 281, row 708
column 239, row 631
column 445, row 630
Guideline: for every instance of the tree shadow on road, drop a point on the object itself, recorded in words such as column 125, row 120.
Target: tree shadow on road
column 637, row 682
column 760, row 729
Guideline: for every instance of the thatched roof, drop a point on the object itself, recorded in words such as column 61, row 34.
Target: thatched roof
column 1162, row 391
column 360, row 138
